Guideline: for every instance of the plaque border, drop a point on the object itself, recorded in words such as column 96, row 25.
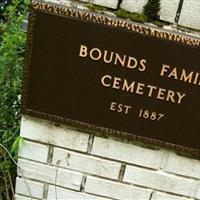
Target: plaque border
column 38, row 5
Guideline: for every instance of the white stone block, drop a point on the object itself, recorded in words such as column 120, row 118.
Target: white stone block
column 19, row 197
column 135, row 6
column 115, row 190
column 45, row 131
column 183, row 166
column 168, row 10
column 162, row 196
column 29, row 188
column 34, row 151
column 160, row 181
column 69, row 194
column 87, row 164
column 69, row 3
column 37, row 171
column 197, row 195
column 190, row 14
column 127, row 153
column 49, row 174
column 106, row 3
column 69, row 179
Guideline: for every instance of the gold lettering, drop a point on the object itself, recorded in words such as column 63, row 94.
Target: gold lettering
column 120, row 106
column 196, row 78
column 83, row 51
column 121, row 60
column 173, row 73
column 134, row 64
column 142, row 65
column 164, row 69
column 116, row 83
column 111, row 57
column 103, row 80
column 151, row 88
column 170, row 96
column 186, row 77
column 140, row 89
column 127, row 108
column 161, row 93
column 112, row 106
column 99, row 54
column 105, row 57
column 180, row 97
column 127, row 87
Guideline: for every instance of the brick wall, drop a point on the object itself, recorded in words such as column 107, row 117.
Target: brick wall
column 59, row 163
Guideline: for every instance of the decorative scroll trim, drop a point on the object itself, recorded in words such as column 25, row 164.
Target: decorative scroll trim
column 117, row 23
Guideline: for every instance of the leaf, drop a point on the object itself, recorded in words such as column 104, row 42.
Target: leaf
column 15, row 146
column 27, row 2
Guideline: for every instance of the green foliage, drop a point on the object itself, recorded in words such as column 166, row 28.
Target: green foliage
column 151, row 9
column 93, row 7
column 132, row 16
column 12, row 47
column 160, row 23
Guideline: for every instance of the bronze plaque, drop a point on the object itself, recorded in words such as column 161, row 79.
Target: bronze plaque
column 112, row 75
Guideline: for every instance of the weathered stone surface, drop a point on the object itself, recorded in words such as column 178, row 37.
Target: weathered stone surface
column 160, row 181
column 107, row 3
column 89, row 164
column 28, row 188
column 162, row 196
column 46, row 132
column 190, row 14
column 135, row 6
column 63, row 194
column 30, row 151
column 183, row 166
column 70, row 3
column 127, row 152
column 72, row 167
column 49, row 174
column 115, row 190
column 168, row 10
